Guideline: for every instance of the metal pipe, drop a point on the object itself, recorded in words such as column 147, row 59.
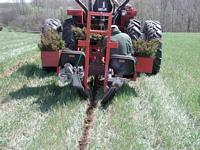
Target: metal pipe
column 119, row 9
column 90, row 5
column 82, row 5
column 124, row 4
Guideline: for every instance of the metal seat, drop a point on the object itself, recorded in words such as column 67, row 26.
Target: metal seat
column 102, row 6
column 122, row 65
column 75, row 58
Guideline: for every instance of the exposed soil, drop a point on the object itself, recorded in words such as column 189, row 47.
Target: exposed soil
column 88, row 123
column 14, row 68
column 90, row 115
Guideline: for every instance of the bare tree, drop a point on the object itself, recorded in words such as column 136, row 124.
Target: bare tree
column 174, row 15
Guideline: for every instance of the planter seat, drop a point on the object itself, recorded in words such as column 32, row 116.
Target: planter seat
column 75, row 58
column 122, row 65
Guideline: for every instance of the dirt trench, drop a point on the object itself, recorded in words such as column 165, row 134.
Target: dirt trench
column 84, row 140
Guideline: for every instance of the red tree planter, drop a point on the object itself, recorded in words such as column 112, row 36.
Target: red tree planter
column 50, row 59
column 144, row 64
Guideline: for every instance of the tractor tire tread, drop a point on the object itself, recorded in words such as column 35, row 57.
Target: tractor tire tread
column 133, row 29
column 153, row 30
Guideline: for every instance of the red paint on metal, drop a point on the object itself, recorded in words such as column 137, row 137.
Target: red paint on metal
column 87, row 46
column 130, row 14
column 144, row 64
column 82, row 43
column 87, row 52
column 78, row 13
column 75, row 12
column 108, row 46
column 114, row 44
column 50, row 58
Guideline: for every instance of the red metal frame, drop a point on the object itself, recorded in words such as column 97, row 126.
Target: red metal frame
column 131, row 13
column 78, row 13
column 75, row 12
column 50, row 58
column 144, row 64
column 87, row 45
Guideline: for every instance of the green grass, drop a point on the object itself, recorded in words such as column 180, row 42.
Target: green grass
column 180, row 68
column 35, row 112
column 159, row 112
column 16, row 47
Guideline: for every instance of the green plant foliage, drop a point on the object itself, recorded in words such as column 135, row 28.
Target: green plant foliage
column 96, row 37
column 51, row 41
column 80, row 34
column 145, row 48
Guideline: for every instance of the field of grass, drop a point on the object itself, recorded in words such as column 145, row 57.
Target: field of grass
column 158, row 112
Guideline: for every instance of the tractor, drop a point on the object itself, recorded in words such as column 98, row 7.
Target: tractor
column 87, row 67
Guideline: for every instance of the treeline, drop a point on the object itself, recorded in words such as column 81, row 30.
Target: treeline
column 26, row 17
column 174, row 15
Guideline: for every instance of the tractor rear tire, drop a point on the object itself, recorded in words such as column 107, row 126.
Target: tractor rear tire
column 68, row 36
column 153, row 30
column 133, row 29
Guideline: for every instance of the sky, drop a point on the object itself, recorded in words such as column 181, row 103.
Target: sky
column 11, row 1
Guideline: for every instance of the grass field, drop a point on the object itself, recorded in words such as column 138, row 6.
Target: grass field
column 158, row 112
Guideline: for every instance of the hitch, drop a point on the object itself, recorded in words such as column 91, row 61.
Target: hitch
column 71, row 75
column 117, row 83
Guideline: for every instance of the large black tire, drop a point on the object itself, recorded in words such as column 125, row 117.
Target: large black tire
column 54, row 24
column 153, row 30
column 133, row 29
column 68, row 36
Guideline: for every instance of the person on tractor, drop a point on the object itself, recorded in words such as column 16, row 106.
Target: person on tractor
column 125, row 48
column 124, row 41
column 104, row 5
